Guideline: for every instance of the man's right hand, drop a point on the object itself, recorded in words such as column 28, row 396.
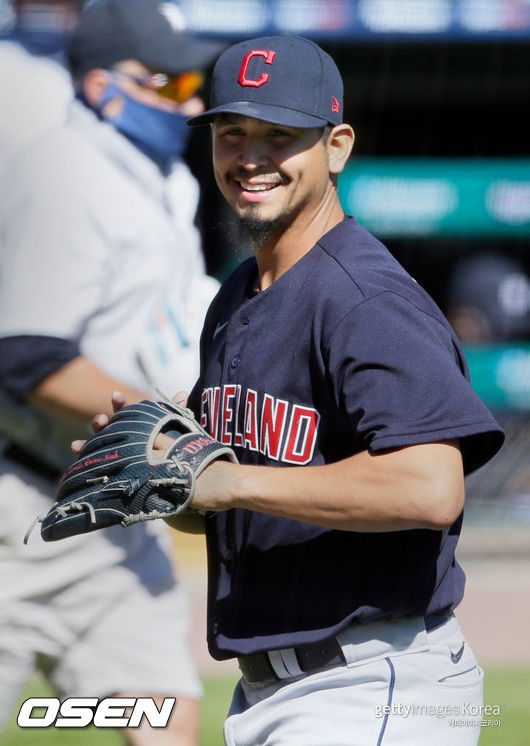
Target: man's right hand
column 118, row 401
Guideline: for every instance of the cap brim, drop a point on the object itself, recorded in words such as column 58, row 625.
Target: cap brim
column 190, row 53
column 266, row 112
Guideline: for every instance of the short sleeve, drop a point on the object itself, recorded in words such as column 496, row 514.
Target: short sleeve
column 401, row 378
column 27, row 360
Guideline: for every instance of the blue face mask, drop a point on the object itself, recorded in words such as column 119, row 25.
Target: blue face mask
column 159, row 134
column 41, row 41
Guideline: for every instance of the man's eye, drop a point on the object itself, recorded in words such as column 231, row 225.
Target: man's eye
column 279, row 133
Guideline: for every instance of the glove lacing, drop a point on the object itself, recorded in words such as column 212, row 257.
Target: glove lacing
column 130, row 486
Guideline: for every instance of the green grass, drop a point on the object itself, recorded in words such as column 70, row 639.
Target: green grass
column 217, row 698
column 508, row 688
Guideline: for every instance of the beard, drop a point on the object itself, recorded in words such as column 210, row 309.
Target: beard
column 261, row 230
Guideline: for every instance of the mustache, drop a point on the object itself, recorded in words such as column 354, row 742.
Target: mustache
column 265, row 176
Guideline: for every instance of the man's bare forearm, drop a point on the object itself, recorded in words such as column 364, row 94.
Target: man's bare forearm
column 415, row 487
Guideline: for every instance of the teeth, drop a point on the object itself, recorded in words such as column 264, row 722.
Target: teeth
column 257, row 187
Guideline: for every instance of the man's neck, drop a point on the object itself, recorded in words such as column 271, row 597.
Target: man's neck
column 280, row 251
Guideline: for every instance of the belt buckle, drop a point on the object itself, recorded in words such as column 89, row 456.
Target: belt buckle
column 291, row 663
column 285, row 663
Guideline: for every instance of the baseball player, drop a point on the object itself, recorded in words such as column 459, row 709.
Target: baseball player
column 102, row 286
column 345, row 396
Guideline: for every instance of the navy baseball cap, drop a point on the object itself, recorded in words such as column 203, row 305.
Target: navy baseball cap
column 151, row 32
column 282, row 79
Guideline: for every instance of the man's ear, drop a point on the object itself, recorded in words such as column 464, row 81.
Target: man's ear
column 339, row 146
column 94, row 84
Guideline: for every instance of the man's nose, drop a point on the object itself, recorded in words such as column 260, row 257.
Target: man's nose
column 254, row 153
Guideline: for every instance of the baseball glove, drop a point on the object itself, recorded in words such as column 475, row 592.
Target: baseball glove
column 118, row 478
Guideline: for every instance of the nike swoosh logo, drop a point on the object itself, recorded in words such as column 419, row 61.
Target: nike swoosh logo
column 219, row 328
column 455, row 657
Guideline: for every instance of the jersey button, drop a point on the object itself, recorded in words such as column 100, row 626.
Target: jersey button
column 235, row 361
column 215, row 628
column 244, row 321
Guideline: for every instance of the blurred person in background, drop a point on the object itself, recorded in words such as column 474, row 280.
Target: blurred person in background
column 488, row 305
column 489, row 299
column 102, row 287
column 35, row 86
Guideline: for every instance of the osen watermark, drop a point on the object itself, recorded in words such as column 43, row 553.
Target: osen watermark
column 78, row 712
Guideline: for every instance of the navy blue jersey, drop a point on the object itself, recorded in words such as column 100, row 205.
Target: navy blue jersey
column 344, row 352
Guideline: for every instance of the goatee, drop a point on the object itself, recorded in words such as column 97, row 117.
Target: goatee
column 261, row 230
column 258, row 230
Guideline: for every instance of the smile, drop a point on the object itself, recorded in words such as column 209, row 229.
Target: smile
column 256, row 192
column 257, row 187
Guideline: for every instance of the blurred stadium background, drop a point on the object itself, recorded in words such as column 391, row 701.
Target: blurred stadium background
column 436, row 91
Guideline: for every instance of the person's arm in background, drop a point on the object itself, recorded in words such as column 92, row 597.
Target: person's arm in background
column 79, row 390
column 51, row 374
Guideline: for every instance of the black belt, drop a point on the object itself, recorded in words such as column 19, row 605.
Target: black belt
column 16, row 454
column 258, row 667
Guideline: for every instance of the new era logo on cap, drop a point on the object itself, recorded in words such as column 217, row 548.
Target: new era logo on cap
column 282, row 79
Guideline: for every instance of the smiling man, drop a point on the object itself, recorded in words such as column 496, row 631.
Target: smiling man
column 346, row 397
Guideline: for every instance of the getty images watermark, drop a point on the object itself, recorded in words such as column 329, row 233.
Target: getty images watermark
column 78, row 712
column 465, row 714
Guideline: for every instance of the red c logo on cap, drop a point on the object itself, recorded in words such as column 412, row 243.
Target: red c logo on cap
column 243, row 80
